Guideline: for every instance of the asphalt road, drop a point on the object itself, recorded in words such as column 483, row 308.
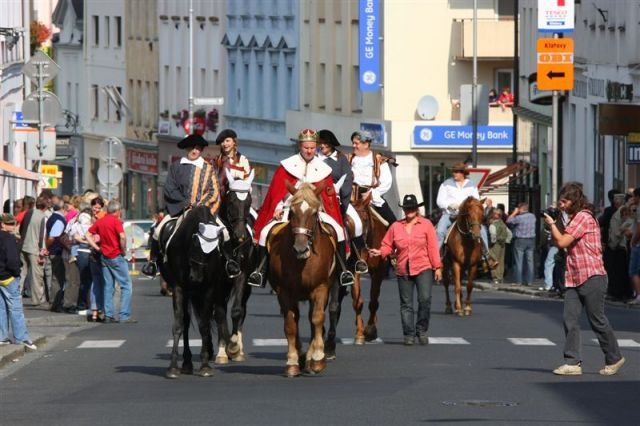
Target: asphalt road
column 470, row 373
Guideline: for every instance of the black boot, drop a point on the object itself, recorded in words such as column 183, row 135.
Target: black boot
column 346, row 277
column 258, row 277
column 151, row 267
column 361, row 266
column 488, row 263
column 231, row 267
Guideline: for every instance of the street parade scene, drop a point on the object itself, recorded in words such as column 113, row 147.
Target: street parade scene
column 319, row 212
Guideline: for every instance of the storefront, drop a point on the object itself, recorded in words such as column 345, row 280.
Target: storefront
column 140, row 181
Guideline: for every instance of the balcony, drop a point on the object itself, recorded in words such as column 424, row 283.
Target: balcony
column 495, row 39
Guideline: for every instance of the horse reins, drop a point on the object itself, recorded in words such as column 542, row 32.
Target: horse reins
column 470, row 225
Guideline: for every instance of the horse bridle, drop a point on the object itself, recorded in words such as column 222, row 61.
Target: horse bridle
column 470, row 226
column 299, row 230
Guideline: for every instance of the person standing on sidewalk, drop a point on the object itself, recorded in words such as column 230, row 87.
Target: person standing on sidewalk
column 523, row 224
column 33, row 230
column 585, row 282
column 415, row 242
column 55, row 227
column 499, row 237
column 10, row 297
column 113, row 246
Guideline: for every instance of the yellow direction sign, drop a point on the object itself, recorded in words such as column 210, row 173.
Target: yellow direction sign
column 49, row 169
column 50, row 182
column 555, row 64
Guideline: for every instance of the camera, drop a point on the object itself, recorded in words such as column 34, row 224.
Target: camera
column 553, row 212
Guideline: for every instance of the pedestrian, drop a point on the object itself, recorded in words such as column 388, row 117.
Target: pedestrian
column 56, row 224
column 585, row 282
column 523, row 225
column 634, row 258
column 414, row 241
column 113, row 246
column 616, row 254
column 33, row 252
column 10, row 296
column 499, row 237
column 552, row 251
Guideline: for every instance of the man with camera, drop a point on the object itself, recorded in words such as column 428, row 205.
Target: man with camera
column 523, row 224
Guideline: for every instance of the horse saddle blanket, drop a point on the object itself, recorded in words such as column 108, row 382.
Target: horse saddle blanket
column 273, row 232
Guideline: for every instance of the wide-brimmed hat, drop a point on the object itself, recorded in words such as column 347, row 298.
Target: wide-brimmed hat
column 410, row 202
column 308, row 135
column 328, row 137
column 226, row 133
column 191, row 141
column 8, row 219
column 460, row 167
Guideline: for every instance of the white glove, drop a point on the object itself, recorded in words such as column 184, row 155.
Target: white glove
column 453, row 206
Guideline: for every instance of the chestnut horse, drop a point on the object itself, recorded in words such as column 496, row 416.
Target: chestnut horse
column 302, row 267
column 373, row 230
column 463, row 251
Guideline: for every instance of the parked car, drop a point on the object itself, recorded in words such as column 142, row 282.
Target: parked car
column 137, row 233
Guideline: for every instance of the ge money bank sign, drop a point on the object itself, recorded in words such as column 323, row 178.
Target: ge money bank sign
column 369, row 45
column 497, row 137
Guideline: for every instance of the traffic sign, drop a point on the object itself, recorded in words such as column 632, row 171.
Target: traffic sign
column 49, row 169
column 555, row 64
column 208, row 101
column 49, row 68
column 51, row 108
column 633, row 148
column 556, row 16
column 111, row 149
column 50, row 182
column 109, row 174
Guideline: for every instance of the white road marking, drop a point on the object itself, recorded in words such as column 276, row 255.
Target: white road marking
column 350, row 340
column 447, row 341
column 269, row 342
column 530, row 341
column 624, row 343
column 101, row 344
column 193, row 343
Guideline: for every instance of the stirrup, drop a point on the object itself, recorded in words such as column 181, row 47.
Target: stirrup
column 232, row 268
column 361, row 266
column 346, row 279
column 150, row 269
column 256, row 279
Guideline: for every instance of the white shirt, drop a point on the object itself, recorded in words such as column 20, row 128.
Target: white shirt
column 199, row 163
column 451, row 195
column 363, row 175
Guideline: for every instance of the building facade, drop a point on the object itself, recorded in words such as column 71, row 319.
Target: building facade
column 425, row 141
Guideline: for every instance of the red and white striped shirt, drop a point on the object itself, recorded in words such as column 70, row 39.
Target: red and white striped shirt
column 584, row 255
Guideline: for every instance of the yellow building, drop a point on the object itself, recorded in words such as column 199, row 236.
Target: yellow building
column 425, row 51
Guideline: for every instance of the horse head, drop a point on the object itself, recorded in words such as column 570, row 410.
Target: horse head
column 236, row 206
column 470, row 217
column 303, row 216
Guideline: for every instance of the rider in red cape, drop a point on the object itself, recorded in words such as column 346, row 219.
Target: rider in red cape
column 301, row 167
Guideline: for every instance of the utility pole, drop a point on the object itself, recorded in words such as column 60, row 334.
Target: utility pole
column 474, row 89
column 191, row 126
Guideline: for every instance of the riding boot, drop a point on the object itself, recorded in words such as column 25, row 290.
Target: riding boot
column 346, row 277
column 258, row 277
column 488, row 263
column 361, row 266
column 151, row 267
column 231, row 267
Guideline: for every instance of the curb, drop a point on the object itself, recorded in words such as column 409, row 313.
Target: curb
column 57, row 320
column 20, row 351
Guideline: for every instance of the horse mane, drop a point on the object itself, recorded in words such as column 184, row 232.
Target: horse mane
column 306, row 192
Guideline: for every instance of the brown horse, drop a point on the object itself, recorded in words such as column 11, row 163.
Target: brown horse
column 302, row 266
column 373, row 232
column 463, row 251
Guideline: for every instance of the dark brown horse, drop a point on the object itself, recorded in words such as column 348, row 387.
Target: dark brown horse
column 373, row 230
column 302, row 267
column 463, row 251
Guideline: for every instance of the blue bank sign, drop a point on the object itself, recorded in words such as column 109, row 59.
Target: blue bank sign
column 369, row 45
column 462, row 136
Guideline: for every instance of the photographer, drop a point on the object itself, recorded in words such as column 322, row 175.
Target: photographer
column 585, row 281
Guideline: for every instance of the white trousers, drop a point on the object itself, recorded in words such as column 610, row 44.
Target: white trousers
column 323, row 217
column 357, row 222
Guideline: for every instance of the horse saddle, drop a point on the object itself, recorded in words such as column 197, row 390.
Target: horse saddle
column 166, row 233
column 449, row 229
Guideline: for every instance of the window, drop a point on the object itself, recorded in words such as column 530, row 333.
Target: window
column 118, row 31
column 95, row 99
column 132, row 94
column 107, row 102
column 504, row 78
column 139, row 101
column 321, row 87
column 356, row 94
column 274, row 92
column 107, row 31
column 337, row 89
column 96, row 30
column 307, row 83
column 69, row 96
column 505, row 8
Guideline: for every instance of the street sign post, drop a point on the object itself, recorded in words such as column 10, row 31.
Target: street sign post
column 109, row 172
column 208, row 101
column 555, row 64
column 556, row 16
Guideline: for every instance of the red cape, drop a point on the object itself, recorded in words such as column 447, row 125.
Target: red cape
column 278, row 190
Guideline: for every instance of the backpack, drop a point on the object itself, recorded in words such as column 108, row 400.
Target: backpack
column 502, row 233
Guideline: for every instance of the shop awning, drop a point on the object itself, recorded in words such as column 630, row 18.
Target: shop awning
column 11, row 171
column 505, row 176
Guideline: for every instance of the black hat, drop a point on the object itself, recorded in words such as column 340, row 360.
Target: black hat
column 191, row 141
column 328, row 137
column 410, row 202
column 226, row 133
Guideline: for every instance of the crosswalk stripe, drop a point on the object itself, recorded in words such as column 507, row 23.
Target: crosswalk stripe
column 193, row 343
column 530, row 341
column 101, row 344
column 447, row 341
column 269, row 342
column 351, row 340
column 624, row 343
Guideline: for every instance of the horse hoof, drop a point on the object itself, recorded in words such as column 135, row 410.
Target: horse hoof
column 459, row 312
column 448, row 310
column 370, row 333
column 172, row 373
column 187, row 369
column 292, row 371
column 221, row 360
column 233, row 350
column 467, row 311
column 359, row 340
column 240, row 357
column 205, row 372
column 330, row 355
column 316, row 367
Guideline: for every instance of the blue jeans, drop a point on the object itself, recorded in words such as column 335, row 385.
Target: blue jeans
column 96, row 297
column 423, row 282
column 549, row 264
column 117, row 270
column 11, row 311
column 84, row 270
column 523, row 247
column 445, row 222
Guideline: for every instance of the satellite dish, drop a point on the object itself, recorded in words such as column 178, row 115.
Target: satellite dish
column 427, row 107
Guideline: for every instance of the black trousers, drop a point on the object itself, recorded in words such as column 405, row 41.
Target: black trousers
column 386, row 212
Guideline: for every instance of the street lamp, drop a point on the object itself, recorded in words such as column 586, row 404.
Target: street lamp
column 11, row 36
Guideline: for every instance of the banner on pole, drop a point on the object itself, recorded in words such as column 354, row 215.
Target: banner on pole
column 369, row 45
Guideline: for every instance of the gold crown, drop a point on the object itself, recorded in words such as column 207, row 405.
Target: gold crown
column 308, row 135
